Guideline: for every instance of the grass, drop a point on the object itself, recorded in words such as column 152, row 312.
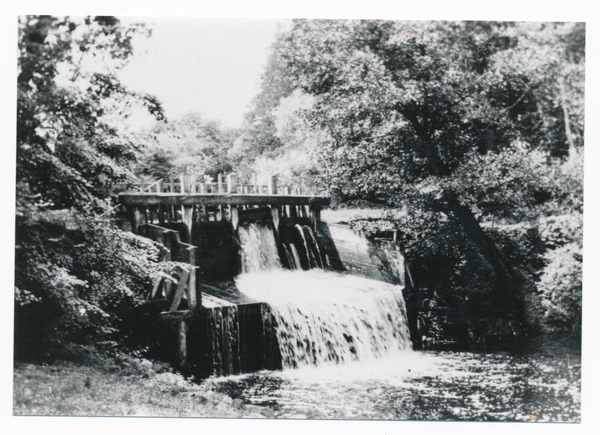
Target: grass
column 68, row 389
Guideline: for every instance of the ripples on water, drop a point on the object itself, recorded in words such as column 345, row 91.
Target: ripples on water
column 444, row 386
column 373, row 375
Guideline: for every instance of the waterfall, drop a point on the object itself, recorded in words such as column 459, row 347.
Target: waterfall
column 305, row 250
column 290, row 259
column 320, row 317
column 259, row 250
column 330, row 318
column 295, row 256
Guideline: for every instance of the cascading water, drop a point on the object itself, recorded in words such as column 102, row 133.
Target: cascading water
column 322, row 317
column 304, row 252
column 330, row 318
column 259, row 251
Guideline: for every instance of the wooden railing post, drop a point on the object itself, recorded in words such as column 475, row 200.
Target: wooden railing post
column 272, row 185
column 182, row 183
column 231, row 183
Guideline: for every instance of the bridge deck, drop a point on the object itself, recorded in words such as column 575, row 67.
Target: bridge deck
column 219, row 199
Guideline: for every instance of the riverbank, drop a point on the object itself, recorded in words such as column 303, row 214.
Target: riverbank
column 67, row 389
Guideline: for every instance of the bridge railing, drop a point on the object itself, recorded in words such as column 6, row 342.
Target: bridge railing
column 229, row 184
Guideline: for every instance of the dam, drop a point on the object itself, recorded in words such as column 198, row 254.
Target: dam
column 269, row 285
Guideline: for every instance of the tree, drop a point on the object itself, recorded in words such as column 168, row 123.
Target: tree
column 258, row 135
column 448, row 120
column 188, row 145
column 68, row 152
column 75, row 278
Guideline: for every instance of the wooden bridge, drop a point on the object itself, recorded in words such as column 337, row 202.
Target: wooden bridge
column 188, row 201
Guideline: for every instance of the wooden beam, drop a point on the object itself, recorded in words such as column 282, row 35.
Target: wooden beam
column 183, row 282
column 217, row 199
column 155, row 288
column 175, row 316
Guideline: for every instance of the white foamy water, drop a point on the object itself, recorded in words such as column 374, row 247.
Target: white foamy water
column 259, row 251
column 330, row 318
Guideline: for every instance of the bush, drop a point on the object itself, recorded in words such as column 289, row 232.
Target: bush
column 76, row 281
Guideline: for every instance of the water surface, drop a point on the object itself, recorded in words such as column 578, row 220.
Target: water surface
column 439, row 386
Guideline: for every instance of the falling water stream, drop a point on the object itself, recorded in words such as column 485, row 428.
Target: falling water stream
column 347, row 355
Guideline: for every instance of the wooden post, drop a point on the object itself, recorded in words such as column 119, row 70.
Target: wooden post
column 166, row 240
column 275, row 211
column 137, row 217
column 194, row 295
column 272, row 185
column 315, row 217
column 161, row 215
column 181, row 330
column 182, row 182
column 231, row 183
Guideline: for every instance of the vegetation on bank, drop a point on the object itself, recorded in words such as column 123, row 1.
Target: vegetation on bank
column 130, row 387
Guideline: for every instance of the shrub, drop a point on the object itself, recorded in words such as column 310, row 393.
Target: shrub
column 76, row 281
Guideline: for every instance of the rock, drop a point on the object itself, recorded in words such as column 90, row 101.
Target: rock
column 238, row 404
column 146, row 364
column 160, row 367
column 27, row 392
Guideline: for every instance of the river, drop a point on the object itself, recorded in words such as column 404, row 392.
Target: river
column 438, row 386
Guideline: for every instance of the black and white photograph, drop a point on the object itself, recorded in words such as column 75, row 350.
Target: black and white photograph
column 299, row 218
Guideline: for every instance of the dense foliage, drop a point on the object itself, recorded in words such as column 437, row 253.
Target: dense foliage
column 188, row 145
column 70, row 146
column 475, row 131
column 77, row 284
column 75, row 278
